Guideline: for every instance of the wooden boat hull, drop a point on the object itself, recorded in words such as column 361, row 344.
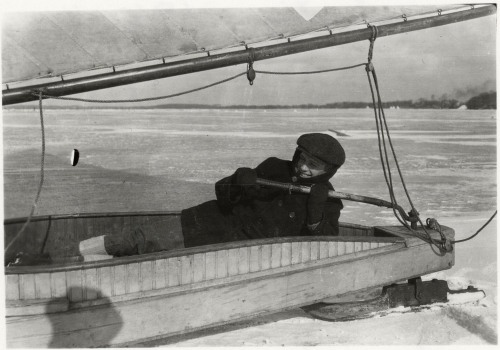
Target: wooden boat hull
column 125, row 301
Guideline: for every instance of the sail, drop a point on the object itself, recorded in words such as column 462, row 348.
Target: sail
column 48, row 44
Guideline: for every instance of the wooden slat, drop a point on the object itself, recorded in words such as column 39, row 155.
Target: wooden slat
column 210, row 265
column 119, row 279
column 199, row 267
column 266, row 257
column 186, row 269
column 160, row 274
column 105, row 281
column 147, row 275
column 333, row 249
column 174, row 271
column 133, row 281
column 42, row 286
column 12, row 287
column 74, row 285
column 58, row 284
column 341, row 248
column 90, row 288
column 275, row 255
column 255, row 258
column 358, row 246
column 27, row 287
column 244, row 260
column 222, row 258
column 232, row 262
column 323, row 250
column 349, row 247
column 314, row 251
column 286, row 254
column 366, row 246
column 306, row 251
column 296, row 252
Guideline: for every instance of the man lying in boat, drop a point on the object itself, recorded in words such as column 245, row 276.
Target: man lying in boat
column 245, row 210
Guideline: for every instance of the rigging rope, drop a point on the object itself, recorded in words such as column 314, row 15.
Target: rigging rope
column 141, row 99
column 380, row 119
column 35, row 202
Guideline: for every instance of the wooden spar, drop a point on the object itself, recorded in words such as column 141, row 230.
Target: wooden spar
column 339, row 195
column 130, row 76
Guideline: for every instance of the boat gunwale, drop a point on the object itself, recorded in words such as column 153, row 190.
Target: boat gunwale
column 61, row 267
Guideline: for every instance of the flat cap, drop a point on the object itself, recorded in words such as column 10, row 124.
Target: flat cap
column 324, row 147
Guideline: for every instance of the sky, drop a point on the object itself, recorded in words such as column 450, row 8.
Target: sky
column 458, row 60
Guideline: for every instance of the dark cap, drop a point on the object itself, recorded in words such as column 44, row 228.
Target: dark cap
column 324, row 147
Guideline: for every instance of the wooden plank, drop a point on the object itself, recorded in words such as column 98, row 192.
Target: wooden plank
column 119, row 280
column 186, row 269
column 323, row 250
column 306, row 251
column 160, row 274
column 42, row 286
column 349, row 247
column 105, row 281
column 210, row 265
column 74, row 285
column 243, row 260
column 12, row 287
column 286, row 254
column 147, row 275
column 199, row 267
column 255, row 258
column 333, row 249
column 27, row 287
column 314, row 250
column 90, row 289
column 341, row 246
column 232, row 261
column 296, row 252
column 174, row 271
column 133, row 278
column 275, row 255
column 358, row 246
column 366, row 246
column 222, row 261
column 266, row 257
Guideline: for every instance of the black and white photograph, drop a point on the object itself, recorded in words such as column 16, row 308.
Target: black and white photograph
column 249, row 174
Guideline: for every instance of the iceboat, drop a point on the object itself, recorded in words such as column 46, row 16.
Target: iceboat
column 128, row 300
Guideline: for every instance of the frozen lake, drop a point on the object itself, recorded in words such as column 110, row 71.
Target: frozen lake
column 136, row 160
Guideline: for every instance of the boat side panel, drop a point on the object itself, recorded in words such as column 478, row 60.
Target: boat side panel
column 134, row 277
column 179, row 313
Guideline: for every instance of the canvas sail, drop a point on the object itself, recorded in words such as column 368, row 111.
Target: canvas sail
column 49, row 44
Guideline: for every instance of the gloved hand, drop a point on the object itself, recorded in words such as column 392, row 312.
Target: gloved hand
column 316, row 202
column 246, row 177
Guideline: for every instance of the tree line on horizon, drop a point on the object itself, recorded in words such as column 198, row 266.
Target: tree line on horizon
column 485, row 100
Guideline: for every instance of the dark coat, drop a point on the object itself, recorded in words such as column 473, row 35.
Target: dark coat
column 256, row 212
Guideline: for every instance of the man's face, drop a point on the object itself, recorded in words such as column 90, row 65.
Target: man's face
column 308, row 167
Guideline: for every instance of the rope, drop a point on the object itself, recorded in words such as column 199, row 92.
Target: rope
column 477, row 232
column 381, row 124
column 311, row 72
column 35, row 203
column 141, row 99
